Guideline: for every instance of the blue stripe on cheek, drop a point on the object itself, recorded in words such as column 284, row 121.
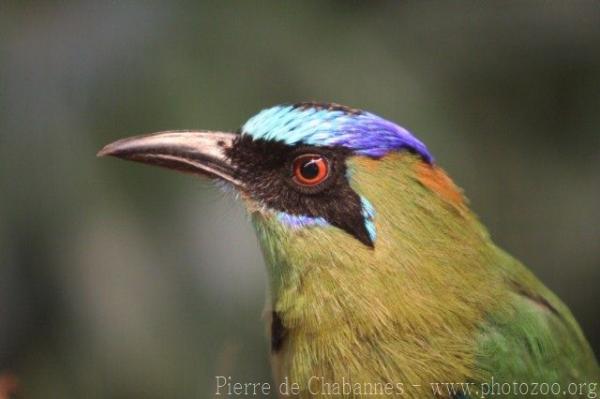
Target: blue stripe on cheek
column 300, row 221
column 368, row 213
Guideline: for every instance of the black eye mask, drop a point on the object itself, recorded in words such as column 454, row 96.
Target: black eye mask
column 266, row 168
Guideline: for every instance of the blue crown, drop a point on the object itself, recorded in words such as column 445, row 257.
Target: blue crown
column 333, row 125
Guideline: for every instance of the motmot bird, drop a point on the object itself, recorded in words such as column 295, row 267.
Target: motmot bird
column 380, row 275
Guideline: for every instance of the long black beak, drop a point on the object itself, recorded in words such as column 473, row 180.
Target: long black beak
column 198, row 152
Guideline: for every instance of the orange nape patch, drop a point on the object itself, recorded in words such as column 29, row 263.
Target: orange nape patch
column 435, row 179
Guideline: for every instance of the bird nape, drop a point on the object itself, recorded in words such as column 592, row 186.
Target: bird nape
column 383, row 283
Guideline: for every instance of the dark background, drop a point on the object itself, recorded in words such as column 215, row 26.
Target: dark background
column 120, row 281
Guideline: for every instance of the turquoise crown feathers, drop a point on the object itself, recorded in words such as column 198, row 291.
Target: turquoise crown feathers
column 333, row 125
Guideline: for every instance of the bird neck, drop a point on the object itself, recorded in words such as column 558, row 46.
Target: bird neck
column 429, row 257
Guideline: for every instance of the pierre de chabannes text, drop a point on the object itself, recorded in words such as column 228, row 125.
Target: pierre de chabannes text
column 227, row 386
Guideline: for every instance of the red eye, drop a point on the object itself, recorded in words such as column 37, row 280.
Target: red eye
column 310, row 170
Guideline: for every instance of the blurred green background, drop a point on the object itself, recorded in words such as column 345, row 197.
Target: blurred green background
column 120, row 281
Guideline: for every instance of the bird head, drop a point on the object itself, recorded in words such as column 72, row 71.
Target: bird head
column 304, row 170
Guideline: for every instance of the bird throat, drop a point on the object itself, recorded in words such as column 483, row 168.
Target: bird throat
column 334, row 297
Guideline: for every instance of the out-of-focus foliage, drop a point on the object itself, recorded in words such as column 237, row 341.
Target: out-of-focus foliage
column 121, row 281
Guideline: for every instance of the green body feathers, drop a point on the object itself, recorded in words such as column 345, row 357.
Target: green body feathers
column 436, row 301
column 383, row 282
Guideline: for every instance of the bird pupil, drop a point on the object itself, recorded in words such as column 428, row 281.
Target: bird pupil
column 310, row 169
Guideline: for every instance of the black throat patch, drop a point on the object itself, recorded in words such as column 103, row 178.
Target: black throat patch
column 278, row 333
